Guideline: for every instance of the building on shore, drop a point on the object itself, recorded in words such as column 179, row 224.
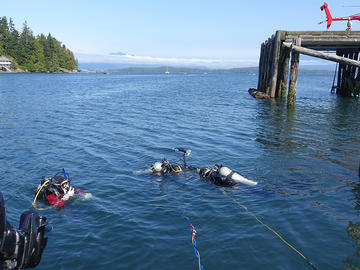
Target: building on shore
column 5, row 63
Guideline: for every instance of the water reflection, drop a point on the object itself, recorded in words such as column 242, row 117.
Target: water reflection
column 344, row 129
column 276, row 126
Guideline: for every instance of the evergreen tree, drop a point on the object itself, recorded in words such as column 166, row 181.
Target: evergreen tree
column 4, row 34
column 2, row 52
column 13, row 40
column 26, row 57
column 43, row 42
column 53, row 57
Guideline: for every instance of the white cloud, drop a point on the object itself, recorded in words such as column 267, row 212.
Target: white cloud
column 170, row 61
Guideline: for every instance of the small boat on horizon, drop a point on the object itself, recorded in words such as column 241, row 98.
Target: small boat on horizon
column 167, row 71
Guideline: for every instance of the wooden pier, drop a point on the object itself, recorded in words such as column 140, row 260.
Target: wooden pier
column 279, row 56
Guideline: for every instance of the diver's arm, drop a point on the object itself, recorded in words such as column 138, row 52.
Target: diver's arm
column 54, row 200
column 79, row 191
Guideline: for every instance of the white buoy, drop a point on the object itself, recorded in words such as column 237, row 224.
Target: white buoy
column 236, row 177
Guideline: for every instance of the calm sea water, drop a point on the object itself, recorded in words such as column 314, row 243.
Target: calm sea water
column 103, row 129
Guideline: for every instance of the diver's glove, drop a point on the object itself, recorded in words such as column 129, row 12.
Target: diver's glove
column 69, row 194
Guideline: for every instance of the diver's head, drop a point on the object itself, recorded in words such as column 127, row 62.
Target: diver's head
column 156, row 167
column 61, row 183
column 204, row 172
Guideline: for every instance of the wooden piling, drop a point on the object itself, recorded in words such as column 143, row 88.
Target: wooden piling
column 283, row 72
column 274, row 64
column 261, row 70
column 269, row 51
column 345, row 89
column 264, row 61
column 354, row 91
column 357, row 80
column 340, row 73
column 294, row 70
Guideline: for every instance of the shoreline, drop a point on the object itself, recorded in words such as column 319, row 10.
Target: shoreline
column 36, row 72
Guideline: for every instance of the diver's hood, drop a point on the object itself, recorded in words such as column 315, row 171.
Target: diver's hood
column 58, row 179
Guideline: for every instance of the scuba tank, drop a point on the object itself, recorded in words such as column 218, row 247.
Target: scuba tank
column 234, row 176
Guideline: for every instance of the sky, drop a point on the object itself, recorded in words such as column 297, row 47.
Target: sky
column 215, row 34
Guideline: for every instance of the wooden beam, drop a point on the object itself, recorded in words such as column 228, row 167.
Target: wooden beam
column 326, row 56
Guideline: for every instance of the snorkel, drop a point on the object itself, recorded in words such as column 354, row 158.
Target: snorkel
column 67, row 180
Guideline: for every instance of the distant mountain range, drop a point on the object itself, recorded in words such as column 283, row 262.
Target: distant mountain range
column 116, row 68
column 179, row 70
column 117, row 53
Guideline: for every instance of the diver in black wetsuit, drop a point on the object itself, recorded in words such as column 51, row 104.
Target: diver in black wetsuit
column 56, row 190
column 212, row 174
column 165, row 167
column 223, row 176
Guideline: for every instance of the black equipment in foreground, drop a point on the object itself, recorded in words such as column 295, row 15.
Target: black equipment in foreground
column 23, row 247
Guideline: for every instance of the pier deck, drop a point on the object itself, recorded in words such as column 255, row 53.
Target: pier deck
column 279, row 56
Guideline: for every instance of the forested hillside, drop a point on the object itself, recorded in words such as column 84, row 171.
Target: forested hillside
column 35, row 54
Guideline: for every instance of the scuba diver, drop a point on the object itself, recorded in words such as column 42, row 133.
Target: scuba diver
column 165, row 167
column 223, row 176
column 218, row 175
column 56, row 190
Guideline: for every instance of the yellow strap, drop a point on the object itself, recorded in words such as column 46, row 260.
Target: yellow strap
column 179, row 170
column 268, row 227
column 37, row 194
column 199, row 259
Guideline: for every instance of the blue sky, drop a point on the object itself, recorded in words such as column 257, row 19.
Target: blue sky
column 225, row 33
